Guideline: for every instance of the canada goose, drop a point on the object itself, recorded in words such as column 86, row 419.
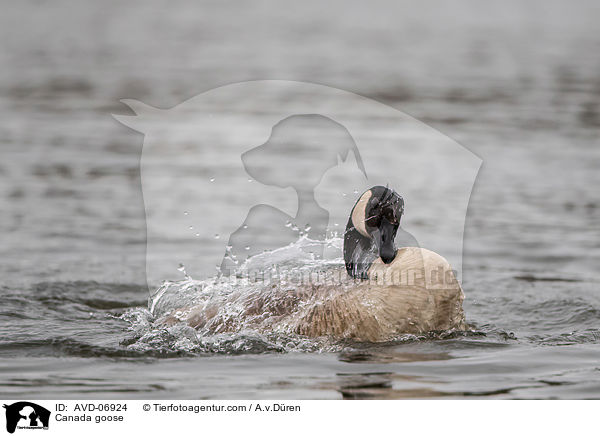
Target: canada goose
column 387, row 291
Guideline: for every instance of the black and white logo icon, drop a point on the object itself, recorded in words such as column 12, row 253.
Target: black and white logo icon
column 26, row 415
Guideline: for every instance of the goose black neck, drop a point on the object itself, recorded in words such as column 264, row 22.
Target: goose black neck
column 359, row 252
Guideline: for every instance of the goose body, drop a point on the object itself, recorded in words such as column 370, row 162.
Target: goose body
column 384, row 292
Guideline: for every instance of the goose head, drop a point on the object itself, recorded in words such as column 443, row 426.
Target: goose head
column 371, row 229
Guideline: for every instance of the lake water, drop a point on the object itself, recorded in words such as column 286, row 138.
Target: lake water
column 516, row 84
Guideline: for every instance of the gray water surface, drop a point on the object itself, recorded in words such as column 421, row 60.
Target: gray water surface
column 517, row 84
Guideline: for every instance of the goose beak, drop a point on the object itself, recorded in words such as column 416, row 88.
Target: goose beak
column 384, row 239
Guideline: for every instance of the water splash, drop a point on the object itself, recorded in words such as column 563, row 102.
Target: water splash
column 275, row 276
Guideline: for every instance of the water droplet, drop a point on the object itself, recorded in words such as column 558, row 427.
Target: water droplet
column 356, row 191
column 217, row 236
column 245, row 226
column 249, row 180
column 344, row 194
column 191, row 227
column 247, row 247
column 288, row 224
column 212, row 179
column 181, row 268
column 307, row 228
column 197, row 234
column 185, row 212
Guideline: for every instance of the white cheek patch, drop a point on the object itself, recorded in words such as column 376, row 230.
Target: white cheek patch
column 358, row 213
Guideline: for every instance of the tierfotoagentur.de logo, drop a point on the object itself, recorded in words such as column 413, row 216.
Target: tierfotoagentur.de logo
column 25, row 415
